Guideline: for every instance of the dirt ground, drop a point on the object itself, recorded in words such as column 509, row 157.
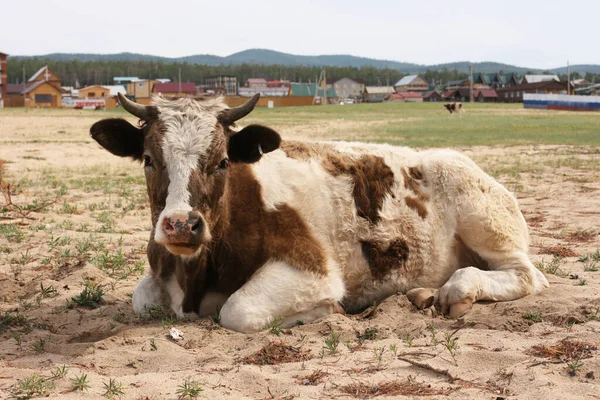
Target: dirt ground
column 79, row 216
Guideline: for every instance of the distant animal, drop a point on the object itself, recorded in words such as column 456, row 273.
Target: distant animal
column 255, row 228
column 455, row 107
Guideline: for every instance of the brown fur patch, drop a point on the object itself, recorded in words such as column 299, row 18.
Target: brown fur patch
column 372, row 178
column 381, row 262
column 413, row 181
column 250, row 235
column 305, row 150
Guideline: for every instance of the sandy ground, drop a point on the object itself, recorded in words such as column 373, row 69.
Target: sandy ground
column 80, row 215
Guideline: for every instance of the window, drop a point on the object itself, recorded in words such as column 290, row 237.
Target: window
column 102, row 94
column 91, row 94
column 43, row 98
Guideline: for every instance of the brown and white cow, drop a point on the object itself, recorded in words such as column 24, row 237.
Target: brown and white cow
column 455, row 108
column 262, row 228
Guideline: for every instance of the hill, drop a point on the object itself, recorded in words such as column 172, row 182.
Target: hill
column 271, row 57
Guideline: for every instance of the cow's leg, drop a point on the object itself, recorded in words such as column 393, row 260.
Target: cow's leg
column 147, row 293
column 280, row 290
column 490, row 224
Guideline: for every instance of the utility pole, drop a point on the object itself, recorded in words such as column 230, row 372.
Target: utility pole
column 180, row 81
column 568, row 78
column 471, row 85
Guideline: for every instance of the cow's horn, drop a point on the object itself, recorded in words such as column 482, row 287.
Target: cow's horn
column 140, row 111
column 231, row 115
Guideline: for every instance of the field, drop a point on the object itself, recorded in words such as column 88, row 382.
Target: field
column 74, row 223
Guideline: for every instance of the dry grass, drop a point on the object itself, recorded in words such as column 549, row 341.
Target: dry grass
column 394, row 388
column 564, row 350
column 582, row 235
column 314, row 379
column 558, row 250
column 277, row 353
column 536, row 221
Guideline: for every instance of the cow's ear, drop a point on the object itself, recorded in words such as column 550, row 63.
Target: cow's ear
column 119, row 137
column 249, row 144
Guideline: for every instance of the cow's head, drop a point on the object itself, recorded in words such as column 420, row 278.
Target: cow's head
column 186, row 146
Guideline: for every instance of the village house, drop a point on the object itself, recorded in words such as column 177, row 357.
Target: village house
column 43, row 89
column 174, row 89
column 377, row 94
column 141, row 90
column 256, row 83
column 406, row 97
column 308, row 90
column 223, row 84
column 433, row 96
column 495, row 80
column 346, row 88
column 14, row 98
column 539, row 78
column 107, row 93
column 514, row 94
column 3, row 79
column 411, row 83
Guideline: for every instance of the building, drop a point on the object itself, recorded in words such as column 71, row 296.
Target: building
column 223, row 84
column 3, row 79
column 458, row 84
column 309, row 90
column 539, row 78
column 96, row 96
column 101, row 91
column 406, row 97
column 461, row 94
column 495, row 80
column 515, row 94
column 125, row 79
column 256, row 83
column 14, row 98
column 433, row 96
column 347, row 88
column 141, row 90
column 411, row 83
column 43, row 89
column 42, row 94
column 281, row 91
column 278, row 83
column 485, row 96
column 174, row 89
column 377, row 94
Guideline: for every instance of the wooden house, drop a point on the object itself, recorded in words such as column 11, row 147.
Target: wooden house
column 515, row 94
column 411, row 83
column 173, row 89
column 3, row 79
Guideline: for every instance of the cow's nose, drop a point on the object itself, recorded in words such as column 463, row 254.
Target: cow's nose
column 183, row 227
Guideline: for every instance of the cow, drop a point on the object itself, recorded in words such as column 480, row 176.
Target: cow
column 254, row 228
column 455, row 108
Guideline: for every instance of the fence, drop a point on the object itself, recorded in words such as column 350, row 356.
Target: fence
column 291, row 101
column 561, row 102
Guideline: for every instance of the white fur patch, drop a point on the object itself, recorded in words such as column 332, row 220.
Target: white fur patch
column 147, row 293
column 279, row 290
column 189, row 131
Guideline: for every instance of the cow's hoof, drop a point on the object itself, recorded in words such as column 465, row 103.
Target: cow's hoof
column 459, row 309
column 338, row 309
column 421, row 297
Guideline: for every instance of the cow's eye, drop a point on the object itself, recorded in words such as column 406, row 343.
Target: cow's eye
column 224, row 164
column 148, row 161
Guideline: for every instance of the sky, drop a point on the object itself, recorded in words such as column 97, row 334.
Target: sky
column 527, row 33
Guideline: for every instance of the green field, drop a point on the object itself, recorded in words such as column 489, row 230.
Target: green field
column 428, row 125
column 418, row 125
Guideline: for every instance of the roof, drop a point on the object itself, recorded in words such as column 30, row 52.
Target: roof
column 257, row 80
column 39, row 72
column 449, row 93
column 541, row 78
column 126, row 78
column 3, row 54
column 406, row 80
column 173, row 87
column 431, row 93
column 409, row 95
column 308, row 89
column 380, row 89
column 15, row 88
column 535, row 85
column 37, row 84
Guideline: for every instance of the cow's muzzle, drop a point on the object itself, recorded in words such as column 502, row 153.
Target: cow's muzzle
column 183, row 232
